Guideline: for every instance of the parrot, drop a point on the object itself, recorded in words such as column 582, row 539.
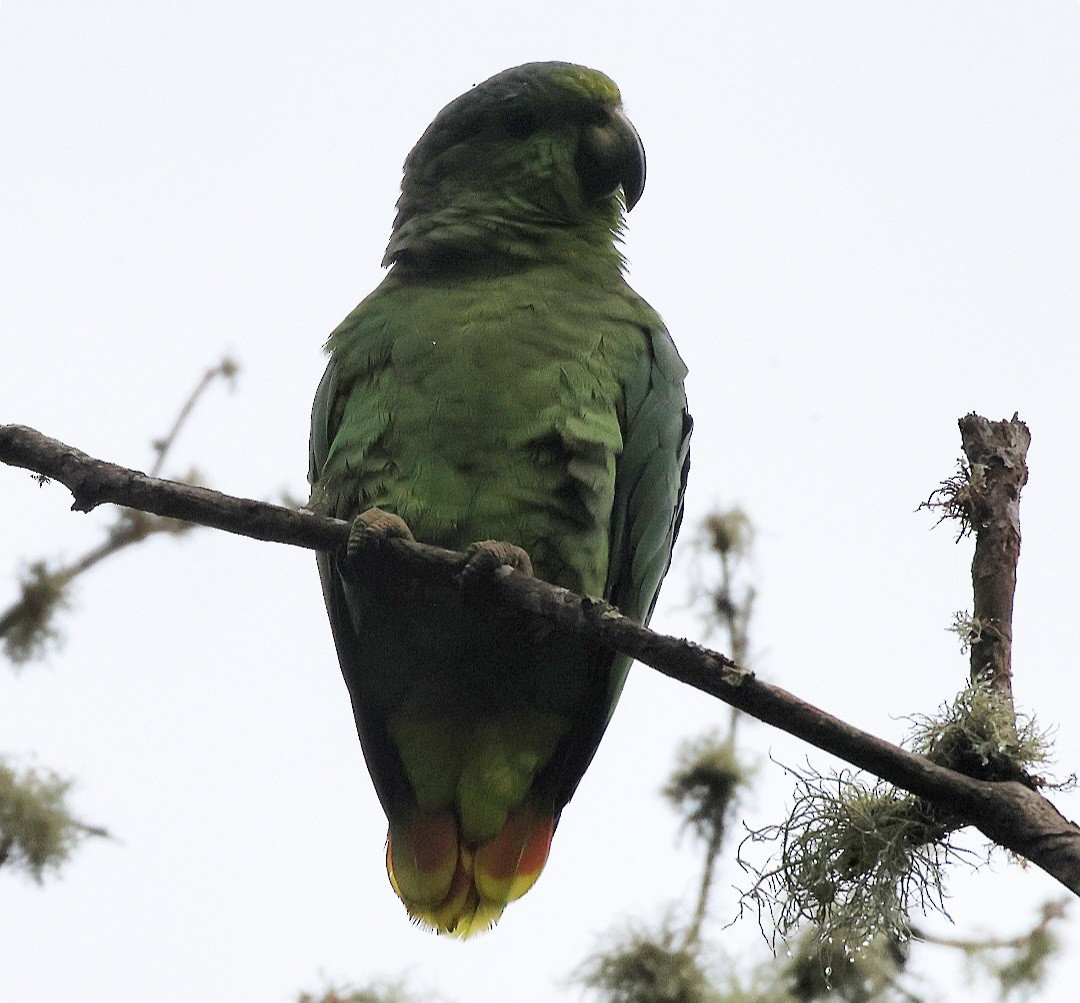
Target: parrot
column 505, row 393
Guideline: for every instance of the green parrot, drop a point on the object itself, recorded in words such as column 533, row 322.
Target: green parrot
column 503, row 383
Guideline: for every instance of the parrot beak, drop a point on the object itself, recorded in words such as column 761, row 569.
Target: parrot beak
column 633, row 160
column 610, row 155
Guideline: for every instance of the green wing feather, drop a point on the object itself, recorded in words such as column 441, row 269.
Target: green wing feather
column 650, row 483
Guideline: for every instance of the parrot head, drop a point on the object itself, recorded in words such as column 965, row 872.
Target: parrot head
column 525, row 159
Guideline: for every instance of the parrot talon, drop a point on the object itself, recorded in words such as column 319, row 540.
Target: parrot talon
column 367, row 531
column 483, row 559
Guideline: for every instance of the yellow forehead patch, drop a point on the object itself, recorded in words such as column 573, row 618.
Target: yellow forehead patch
column 591, row 83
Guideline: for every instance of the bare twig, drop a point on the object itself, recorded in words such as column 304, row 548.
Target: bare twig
column 997, row 465
column 24, row 625
column 705, row 786
column 225, row 369
column 708, row 873
column 1009, row 813
column 704, row 789
column 729, row 534
column 1049, row 913
column 1019, row 964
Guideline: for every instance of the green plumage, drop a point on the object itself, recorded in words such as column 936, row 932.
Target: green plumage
column 503, row 382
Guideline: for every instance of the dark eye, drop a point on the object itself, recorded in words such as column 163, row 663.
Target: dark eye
column 521, row 124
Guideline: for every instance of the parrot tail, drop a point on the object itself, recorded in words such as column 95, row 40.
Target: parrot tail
column 462, row 889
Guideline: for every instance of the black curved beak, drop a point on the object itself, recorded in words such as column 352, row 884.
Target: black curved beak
column 632, row 160
column 610, row 155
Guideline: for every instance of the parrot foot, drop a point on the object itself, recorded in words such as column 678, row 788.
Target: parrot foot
column 368, row 529
column 483, row 559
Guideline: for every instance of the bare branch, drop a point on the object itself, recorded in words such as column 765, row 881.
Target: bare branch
column 1049, row 913
column 226, row 369
column 997, row 458
column 26, row 625
column 1009, row 813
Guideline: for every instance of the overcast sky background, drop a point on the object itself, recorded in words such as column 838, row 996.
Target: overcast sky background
column 861, row 222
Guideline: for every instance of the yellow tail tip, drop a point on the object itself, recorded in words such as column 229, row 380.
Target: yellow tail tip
column 461, row 889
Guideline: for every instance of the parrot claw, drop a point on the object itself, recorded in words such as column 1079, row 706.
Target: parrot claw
column 367, row 530
column 483, row 559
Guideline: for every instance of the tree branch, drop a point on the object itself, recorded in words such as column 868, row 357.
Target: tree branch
column 25, row 625
column 227, row 369
column 1048, row 914
column 997, row 465
column 1009, row 813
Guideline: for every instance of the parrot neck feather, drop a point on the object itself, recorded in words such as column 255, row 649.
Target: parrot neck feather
column 458, row 237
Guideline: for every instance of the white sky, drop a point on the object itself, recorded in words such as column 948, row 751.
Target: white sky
column 861, row 221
